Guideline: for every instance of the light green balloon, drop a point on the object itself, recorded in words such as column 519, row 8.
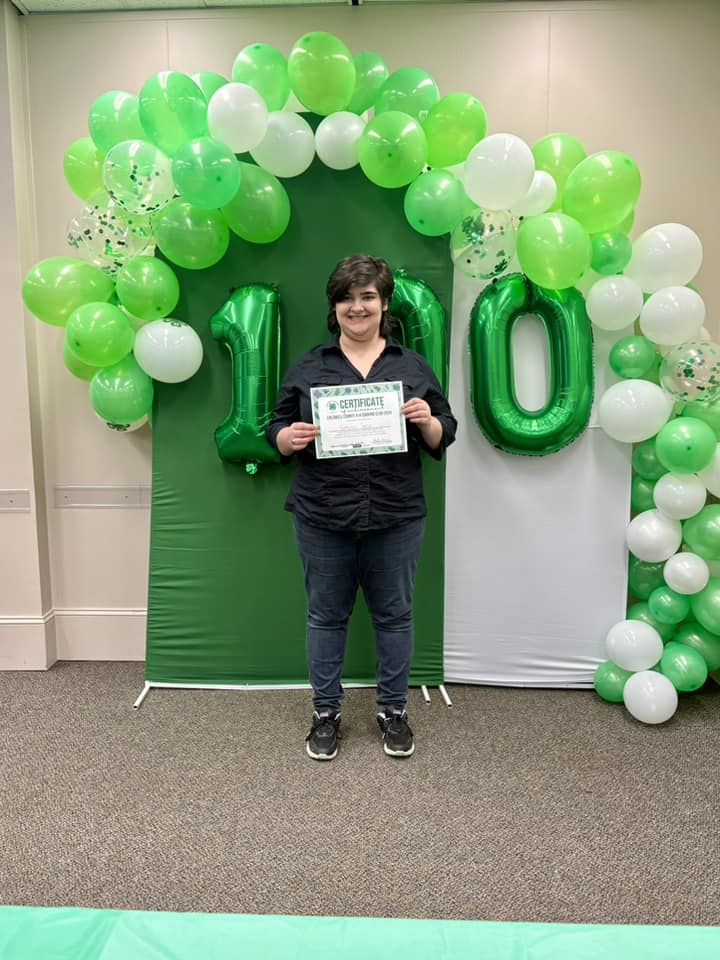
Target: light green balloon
column 392, row 149
column 190, row 236
column 99, row 334
column 121, row 393
column 83, row 371
column 609, row 681
column 260, row 210
column 707, row 412
column 148, row 288
column 602, row 190
column 321, row 72
column 699, row 638
column 702, row 534
column 558, row 154
column 553, row 250
column 370, row 74
column 83, row 168
column 685, row 445
column 206, row 173
column 632, row 357
column 172, row 110
column 667, row 605
column 114, row 117
column 611, row 252
column 434, row 203
column 684, row 667
column 408, row 90
column 453, row 126
column 265, row 69
column 55, row 287
column 209, row 82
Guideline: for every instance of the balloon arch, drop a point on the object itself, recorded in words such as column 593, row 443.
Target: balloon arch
column 162, row 170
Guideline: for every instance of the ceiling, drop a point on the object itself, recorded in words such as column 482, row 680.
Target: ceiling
column 105, row 6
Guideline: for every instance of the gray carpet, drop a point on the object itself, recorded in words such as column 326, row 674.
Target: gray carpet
column 535, row 805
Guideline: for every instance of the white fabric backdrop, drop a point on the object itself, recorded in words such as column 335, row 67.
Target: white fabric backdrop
column 535, row 557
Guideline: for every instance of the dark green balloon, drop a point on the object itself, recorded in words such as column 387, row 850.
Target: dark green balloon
column 609, row 681
column 708, row 412
column 644, row 577
column 641, row 611
column 641, row 494
column 645, row 461
column 702, row 533
column 701, row 639
column 570, row 353
column 633, row 357
column 249, row 323
column 611, row 252
column 422, row 321
column 684, row 667
column 668, row 606
column 706, row 605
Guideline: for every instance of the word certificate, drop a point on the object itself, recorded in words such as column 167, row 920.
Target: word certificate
column 359, row 419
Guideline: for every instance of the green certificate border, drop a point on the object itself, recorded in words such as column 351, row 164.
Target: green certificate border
column 354, row 390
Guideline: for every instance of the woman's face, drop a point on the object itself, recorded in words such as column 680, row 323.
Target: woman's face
column 359, row 313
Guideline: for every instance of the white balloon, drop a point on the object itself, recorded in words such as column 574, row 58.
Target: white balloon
column 710, row 476
column 653, row 537
column 288, row 147
column 673, row 315
column 168, row 350
column 336, row 139
column 614, row 302
column 686, row 573
column 498, row 171
column 634, row 645
column 666, row 255
column 634, row 410
column 650, row 697
column 539, row 198
column 124, row 427
column 679, row 496
column 237, row 116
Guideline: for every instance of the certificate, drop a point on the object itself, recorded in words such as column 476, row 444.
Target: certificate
column 359, row 419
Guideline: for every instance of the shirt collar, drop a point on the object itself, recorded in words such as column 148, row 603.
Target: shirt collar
column 333, row 346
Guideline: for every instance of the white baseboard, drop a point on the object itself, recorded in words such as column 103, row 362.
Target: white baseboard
column 100, row 634
column 27, row 643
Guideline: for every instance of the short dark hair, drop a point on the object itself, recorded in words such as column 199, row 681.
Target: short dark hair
column 360, row 270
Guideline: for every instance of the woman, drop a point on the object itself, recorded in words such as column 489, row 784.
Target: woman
column 359, row 520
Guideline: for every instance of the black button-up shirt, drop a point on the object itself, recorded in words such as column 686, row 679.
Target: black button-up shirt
column 368, row 492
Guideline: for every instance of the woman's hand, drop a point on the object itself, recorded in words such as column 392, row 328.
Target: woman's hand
column 296, row 437
column 418, row 411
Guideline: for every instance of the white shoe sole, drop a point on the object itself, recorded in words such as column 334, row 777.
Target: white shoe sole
column 398, row 753
column 320, row 756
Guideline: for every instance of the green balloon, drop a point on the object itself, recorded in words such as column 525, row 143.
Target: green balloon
column 83, row 371
column 641, row 494
column 633, row 357
column 699, row 638
column 148, row 288
column 121, row 393
column 321, row 72
column 189, row 236
column 685, row 445
column 55, row 287
column 641, row 611
column 705, row 604
column 707, row 412
column 434, row 203
column 611, row 252
column 702, row 534
column 265, row 69
column 625, row 225
column 667, row 605
column 114, row 117
column 558, row 154
column 453, row 126
column 370, row 74
column 99, row 334
column 610, row 681
column 644, row 576
column 83, row 168
column 206, row 173
column 553, row 250
column 392, row 149
column 408, row 90
column 208, row 82
column 645, row 461
column 602, row 190
column 260, row 210
column 172, row 110
column 684, row 667
column 422, row 323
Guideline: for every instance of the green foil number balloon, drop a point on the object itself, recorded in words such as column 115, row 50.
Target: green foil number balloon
column 422, row 321
column 505, row 423
column 249, row 323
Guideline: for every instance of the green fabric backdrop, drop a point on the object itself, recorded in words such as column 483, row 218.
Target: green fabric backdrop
column 226, row 599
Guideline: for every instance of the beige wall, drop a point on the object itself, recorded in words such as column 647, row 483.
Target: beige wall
column 638, row 77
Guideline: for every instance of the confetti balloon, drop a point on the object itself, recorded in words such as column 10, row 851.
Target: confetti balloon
column 691, row 371
column 483, row 243
column 138, row 176
column 106, row 235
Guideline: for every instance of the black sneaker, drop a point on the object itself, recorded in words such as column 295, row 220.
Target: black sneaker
column 397, row 735
column 322, row 741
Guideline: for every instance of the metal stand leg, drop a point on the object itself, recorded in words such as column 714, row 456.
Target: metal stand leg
column 444, row 695
column 426, row 695
column 145, row 692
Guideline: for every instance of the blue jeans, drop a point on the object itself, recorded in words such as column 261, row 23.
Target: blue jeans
column 383, row 563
